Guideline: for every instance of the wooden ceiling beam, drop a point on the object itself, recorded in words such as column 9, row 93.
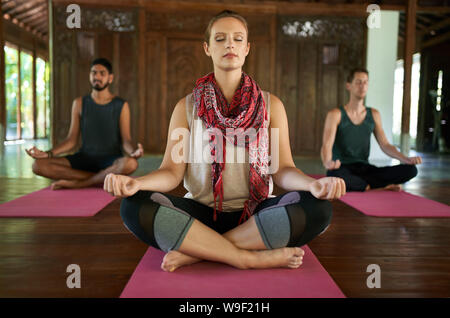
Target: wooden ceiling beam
column 43, row 26
column 436, row 40
column 282, row 7
column 7, row 6
column 32, row 18
column 42, row 6
column 437, row 9
column 436, row 26
column 43, row 29
column 171, row 6
column 425, row 19
column 38, row 21
column 26, row 6
column 103, row 3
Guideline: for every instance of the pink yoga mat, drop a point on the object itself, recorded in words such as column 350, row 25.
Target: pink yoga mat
column 215, row 280
column 395, row 204
column 58, row 203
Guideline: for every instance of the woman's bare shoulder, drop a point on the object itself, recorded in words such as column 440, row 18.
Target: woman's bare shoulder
column 179, row 118
column 277, row 110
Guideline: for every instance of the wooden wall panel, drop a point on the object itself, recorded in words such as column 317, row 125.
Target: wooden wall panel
column 258, row 64
column 109, row 33
column 127, row 83
column 187, row 62
column 287, row 80
column 314, row 57
column 62, row 114
column 164, row 57
column 330, row 80
column 175, row 59
column 85, row 53
column 153, row 131
column 307, row 103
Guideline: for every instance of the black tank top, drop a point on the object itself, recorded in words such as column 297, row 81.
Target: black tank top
column 352, row 143
column 100, row 131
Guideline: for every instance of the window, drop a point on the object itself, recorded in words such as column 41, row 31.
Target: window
column 26, row 118
column 26, row 92
column 398, row 100
column 42, row 99
column 439, row 92
column 11, row 91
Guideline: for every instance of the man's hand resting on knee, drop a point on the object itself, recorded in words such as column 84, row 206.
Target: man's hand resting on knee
column 413, row 161
column 332, row 165
column 120, row 186
column 37, row 153
column 139, row 152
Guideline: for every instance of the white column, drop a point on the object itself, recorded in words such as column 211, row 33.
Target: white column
column 381, row 58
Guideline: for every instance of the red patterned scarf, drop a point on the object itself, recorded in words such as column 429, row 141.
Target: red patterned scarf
column 247, row 110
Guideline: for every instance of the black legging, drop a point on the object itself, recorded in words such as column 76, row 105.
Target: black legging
column 162, row 220
column 358, row 175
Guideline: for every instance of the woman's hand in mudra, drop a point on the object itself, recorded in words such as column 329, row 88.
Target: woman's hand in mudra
column 328, row 188
column 120, row 186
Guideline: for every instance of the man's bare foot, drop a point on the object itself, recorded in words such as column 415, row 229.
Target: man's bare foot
column 393, row 187
column 390, row 187
column 66, row 184
column 174, row 259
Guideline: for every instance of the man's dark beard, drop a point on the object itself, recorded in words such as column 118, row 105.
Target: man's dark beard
column 97, row 88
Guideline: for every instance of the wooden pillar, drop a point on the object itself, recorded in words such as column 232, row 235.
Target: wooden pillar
column 34, row 91
column 116, row 62
column 19, row 93
column 423, row 96
column 163, row 115
column 52, row 71
column 2, row 88
column 273, row 51
column 409, row 48
column 141, row 77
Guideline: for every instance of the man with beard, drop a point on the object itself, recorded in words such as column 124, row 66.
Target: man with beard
column 346, row 143
column 104, row 122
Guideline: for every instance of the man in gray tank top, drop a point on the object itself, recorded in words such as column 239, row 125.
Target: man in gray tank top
column 103, row 121
column 346, row 143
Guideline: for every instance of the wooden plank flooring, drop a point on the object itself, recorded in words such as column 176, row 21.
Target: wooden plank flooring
column 413, row 253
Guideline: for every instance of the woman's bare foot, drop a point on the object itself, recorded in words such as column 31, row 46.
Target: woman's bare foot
column 174, row 259
column 288, row 257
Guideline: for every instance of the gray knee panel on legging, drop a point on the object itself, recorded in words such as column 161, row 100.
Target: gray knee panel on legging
column 274, row 223
column 274, row 227
column 171, row 224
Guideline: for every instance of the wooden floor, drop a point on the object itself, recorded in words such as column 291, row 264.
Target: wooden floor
column 413, row 253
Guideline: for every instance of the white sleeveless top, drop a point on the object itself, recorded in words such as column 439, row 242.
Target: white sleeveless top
column 197, row 178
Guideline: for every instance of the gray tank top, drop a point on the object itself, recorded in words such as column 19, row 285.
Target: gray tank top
column 197, row 178
column 100, row 130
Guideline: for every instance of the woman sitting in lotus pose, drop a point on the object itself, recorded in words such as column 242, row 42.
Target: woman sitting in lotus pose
column 229, row 214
